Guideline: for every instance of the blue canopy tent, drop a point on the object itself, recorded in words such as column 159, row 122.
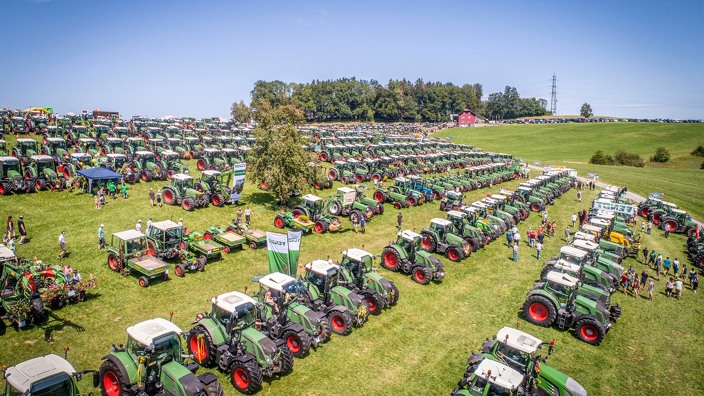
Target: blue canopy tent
column 96, row 174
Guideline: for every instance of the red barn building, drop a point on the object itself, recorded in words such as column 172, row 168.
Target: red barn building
column 467, row 118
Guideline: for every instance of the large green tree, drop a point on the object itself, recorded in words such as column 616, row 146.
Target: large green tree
column 586, row 110
column 241, row 112
column 278, row 157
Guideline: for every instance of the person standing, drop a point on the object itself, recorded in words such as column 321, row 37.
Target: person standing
column 650, row 227
column 22, row 228
column 692, row 272
column 676, row 267
column 642, row 226
column 515, row 252
column 695, row 282
column 653, row 255
column 138, row 226
column 651, row 288
column 112, row 188
column 158, row 198
column 665, row 264
column 363, row 224
column 574, row 219
column 238, row 215
column 567, row 234
column 152, row 197
column 678, row 288
column 541, row 236
column 399, row 220
column 644, row 260
column 509, row 239
column 97, row 202
column 149, row 225
column 247, row 215
column 62, row 245
column 516, row 236
column 643, row 278
column 657, row 267
column 579, row 196
column 539, row 249
column 101, row 236
column 636, row 287
column 667, row 232
column 10, row 227
column 123, row 190
column 355, row 222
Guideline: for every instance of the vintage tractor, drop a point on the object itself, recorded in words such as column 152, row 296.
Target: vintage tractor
column 215, row 184
column 42, row 169
column 45, row 375
column 519, row 350
column 20, row 302
column 182, row 192
column 312, row 207
column 12, row 178
column 228, row 339
column 128, row 252
column 344, row 203
column 166, row 240
column 153, row 363
column 356, row 274
column 590, row 319
column 256, row 238
column 25, row 148
column 444, row 238
column 228, row 238
column 377, row 207
column 405, row 255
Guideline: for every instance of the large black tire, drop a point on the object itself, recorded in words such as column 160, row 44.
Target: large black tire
column 453, row 254
column 375, row 302
column 428, row 243
column 589, row 331
column 297, row 342
column 545, row 271
column 40, row 184
column 246, row 377
column 422, row 275
column 390, row 259
column 218, row 200
column 36, row 312
column 286, row 361
column 325, row 330
column 201, row 346
column 539, row 310
column 214, row 388
column 113, row 381
column 188, row 204
column 335, row 208
column 340, row 322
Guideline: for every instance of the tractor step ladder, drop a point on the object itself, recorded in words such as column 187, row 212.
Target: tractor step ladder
column 561, row 318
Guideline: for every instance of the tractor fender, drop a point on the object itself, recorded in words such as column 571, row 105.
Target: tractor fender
column 476, row 358
column 487, row 347
column 549, row 296
column 340, row 308
column 123, row 362
column 214, row 330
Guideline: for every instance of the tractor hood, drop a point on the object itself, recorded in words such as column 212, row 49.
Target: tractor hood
column 174, row 372
column 261, row 342
column 560, row 380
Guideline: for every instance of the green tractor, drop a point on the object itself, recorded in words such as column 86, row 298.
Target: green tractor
column 312, row 209
column 227, row 338
column 211, row 158
column 543, row 307
column 166, row 240
column 491, row 378
column 474, row 236
column 42, row 169
column 444, row 238
column 153, row 363
column 25, row 148
column 88, row 146
column 114, row 145
column 171, row 162
column 356, row 273
column 182, row 192
column 597, row 271
column 344, row 203
column 377, row 207
column 451, row 201
column 405, row 255
column 12, row 178
column 147, row 166
column 74, row 163
column 399, row 201
column 402, row 186
column 128, row 252
column 215, row 185
column 55, row 147
column 518, row 350
column 227, row 237
column 45, row 375
column 20, row 302
column 678, row 221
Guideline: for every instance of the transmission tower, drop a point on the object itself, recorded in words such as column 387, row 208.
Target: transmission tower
column 553, row 96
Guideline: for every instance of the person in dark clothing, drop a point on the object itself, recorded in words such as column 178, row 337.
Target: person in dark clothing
column 22, row 229
column 399, row 219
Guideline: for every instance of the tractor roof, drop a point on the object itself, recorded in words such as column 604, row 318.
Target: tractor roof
column 498, row 196
column 479, row 204
column 680, row 211
column 212, row 150
column 114, row 139
column 524, row 188
column 230, row 301
column 519, row 340
column 311, row 197
column 115, row 155
column 25, row 374
column 86, row 140
column 356, row 254
column 128, row 235
column 572, row 251
column 41, row 157
column 169, row 152
column 345, row 189
column 320, row 267
column 352, row 161
column 9, row 160
column 144, row 152
column 6, row 253
column 599, row 222
column 589, row 227
column 164, row 225
column 409, row 235
column 567, row 266
column 191, row 138
column 499, row 374
column 584, row 244
column 561, row 279
column 276, row 280
column 605, row 214
column 413, row 177
column 401, row 179
column 453, row 194
column 25, row 140
column 181, row 176
column 146, row 332
column 441, row 222
column 340, row 162
column 456, row 213
column 55, row 139
column 211, row 172
column 80, row 155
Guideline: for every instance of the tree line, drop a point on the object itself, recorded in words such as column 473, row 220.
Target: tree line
column 350, row 99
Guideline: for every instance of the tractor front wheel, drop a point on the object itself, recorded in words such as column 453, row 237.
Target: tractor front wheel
column 539, row 310
column 246, row 377
column 279, row 222
column 112, row 380
column 454, row 254
column 201, row 345
column 179, row 270
column 428, row 243
column 390, row 259
column 188, row 204
column 590, row 331
column 218, row 200
column 297, row 342
column 143, row 281
column 341, row 322
column 325, row 330
column 374, row 302
column 422, row 275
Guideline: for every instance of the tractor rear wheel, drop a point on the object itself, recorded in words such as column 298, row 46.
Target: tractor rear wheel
column 535, row 207
column 5, row 188
column 390, row 259
column 170, row 174
column 114, row 262
column 590, row 331
column 335, row 208
column 356, row 216
column 341, row 322
column 297, row 342
column 112, row 380
column 188, row 204
column 333, row 174
column 539, row 310
column 169, row 196
column 412, row 201
column 297, row 212
column 279, row 222
column 443, row 205
column 379, row 209
column 670, row 225
column 379, row 196
column 218, row 200
column 200, row 164
column 428, row 243
column 375, row 303
column 207, row 236
column 422, row 275
column 246, row 377
column 179, row 270
column 453, row 254
column 344, row 180
column 545, row 271
column 201, row 345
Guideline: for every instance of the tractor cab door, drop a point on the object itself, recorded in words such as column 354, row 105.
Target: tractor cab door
column 562, row 292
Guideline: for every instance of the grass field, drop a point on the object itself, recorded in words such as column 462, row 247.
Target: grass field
column 418, row 347
column 572, row 145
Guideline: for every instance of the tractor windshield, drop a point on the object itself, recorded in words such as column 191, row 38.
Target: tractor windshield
column 135, row 245
column 479, row 385
column 11, row 167
column 58, row 385
column 45, row 164
column 513, row 357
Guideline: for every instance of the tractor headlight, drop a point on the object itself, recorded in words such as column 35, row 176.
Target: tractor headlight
column 575, row 388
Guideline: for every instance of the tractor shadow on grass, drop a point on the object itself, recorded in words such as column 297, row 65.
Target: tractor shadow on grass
column 57, row 323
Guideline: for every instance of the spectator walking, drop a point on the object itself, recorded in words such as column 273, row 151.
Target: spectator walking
column 516, row 236
column 692, row 273
column 399, row 220
column 567, row 234
column 238, row 215
column 539, row 249
column 138, row 226
column 676, row 267
column 515, row 252
column 636, row 287
column 669, row 285
column 23, row 229
column 650, row 227
column 363, row 224
column 158, row 198
column 658, row 267
column 683, row 274
column 10, row 227
column 678, row 289
column 541, row 236
column 579, row 196
column 643, row 278
column 553, row 229
column 666, row 264
column 247, row 215
column 574, row 219
column 152, row 196
column 62, row 245
column 149, row 225
column 123, row 190
column 531, row 237
column 97, row 202
column 695, row 282
column 651, row 288
column 101, row 236
column 653, row 255
column 509, row 238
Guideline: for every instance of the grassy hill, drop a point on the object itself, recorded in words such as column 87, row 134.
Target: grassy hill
column 572, row 145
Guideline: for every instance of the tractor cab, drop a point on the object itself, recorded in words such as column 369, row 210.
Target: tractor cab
column 158, row 144
column 592, row 229
column 442, row 227
column 79, row 131
column 357, row 261
column 143, row 157
column 234, row 308
column 121, row 132
column 152, row 133
column 135, row 144
column 281, row 284
column 491, row 378
column 43, row 163
column 322, row 275
column 54, row 146
column 114, row 162
column 81, row 159
column 25, row 148
column 128, row 244
column 170, row 156
column 158, row 341
column 167, row 234
column 561, row 285
column 87, row 145
column 409, row 240
column 46, row 375
column 173, row 143
column 100, row 131
column 573, row 255
column 213, row 178
column 18, row 124
column 3, row 147
column 313, row 203
column 10, row 168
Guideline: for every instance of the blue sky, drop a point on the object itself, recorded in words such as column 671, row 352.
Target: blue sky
column 195, row 58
